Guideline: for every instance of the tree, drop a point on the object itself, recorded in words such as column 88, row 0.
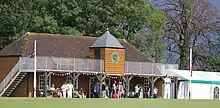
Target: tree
column 211, row 64
column 14, row 20
column 55, row 16
column 191, row 23
column 123, row 18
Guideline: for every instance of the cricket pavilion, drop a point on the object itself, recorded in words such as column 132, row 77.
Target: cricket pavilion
column 79, row 59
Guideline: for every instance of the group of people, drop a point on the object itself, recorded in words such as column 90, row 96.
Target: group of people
column 139, row 92
column 118, row 91
column 114, row 91
column 66, row 90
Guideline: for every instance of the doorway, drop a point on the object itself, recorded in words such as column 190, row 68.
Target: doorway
column 216, row 93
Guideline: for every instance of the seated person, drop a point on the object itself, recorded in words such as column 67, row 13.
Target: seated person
column 51, row 90
column 53, row 87
column 58, row 92
column 81, row 92
column 76, row 94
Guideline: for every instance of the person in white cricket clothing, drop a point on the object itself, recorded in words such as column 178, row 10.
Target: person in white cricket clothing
column 136, row 90
column 69, row 90
column 64, row 88
column 167, row 85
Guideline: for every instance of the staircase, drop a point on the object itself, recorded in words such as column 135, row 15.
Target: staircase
column 11, row 81
column 14, row 84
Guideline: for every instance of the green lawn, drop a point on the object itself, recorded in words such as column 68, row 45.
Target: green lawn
column 105, row 103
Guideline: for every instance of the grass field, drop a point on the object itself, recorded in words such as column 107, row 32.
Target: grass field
column 105, row 103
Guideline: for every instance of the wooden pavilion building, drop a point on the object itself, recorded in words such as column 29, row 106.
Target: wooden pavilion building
column 79, row 59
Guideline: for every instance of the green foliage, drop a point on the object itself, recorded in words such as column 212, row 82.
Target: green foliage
column 14, row 20
column 211, row 63
column 123, row 18
column 45, row 25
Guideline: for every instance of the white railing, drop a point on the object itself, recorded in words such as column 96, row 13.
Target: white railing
column 171, row 66
column 62, row 64
column 147, row 68
column 9, row 77
column 26, row 64
column 92, row 65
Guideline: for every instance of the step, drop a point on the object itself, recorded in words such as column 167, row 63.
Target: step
column 9, row 90
column 14, row 84
column 17, row 79
column 6, row 95
column 21, row 75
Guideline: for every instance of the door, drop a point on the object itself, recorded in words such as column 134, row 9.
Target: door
column 146, row 88
column 216, row 93
column 92, row 81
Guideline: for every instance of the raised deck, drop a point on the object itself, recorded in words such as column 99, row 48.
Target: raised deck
column 57, row 64
column 76, row 65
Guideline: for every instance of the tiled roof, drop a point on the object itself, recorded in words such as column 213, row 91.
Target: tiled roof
column 107, row 40
column 63, row 46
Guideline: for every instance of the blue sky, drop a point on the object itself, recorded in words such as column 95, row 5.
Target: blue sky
column 216, row 3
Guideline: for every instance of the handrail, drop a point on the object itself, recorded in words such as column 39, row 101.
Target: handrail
column 81, row 65
column 9, row 77
column 91, row 66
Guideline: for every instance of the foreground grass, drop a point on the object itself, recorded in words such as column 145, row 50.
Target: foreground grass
column 105, row 103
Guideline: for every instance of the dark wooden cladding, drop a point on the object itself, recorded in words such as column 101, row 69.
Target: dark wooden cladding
column 83, row 82
column 6, row 64
column 91, row 53
column 58, row 80
column 159, row 85
column 25, row 88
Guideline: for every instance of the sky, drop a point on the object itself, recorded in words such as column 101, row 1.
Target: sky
column 216, row 3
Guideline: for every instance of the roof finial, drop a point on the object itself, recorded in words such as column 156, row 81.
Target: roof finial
column 107, row 27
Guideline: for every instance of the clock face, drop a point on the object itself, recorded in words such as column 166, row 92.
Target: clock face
column 115, row 57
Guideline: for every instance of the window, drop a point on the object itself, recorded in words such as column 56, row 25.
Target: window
column 41, row 82
column 97, row 53
column 146, row 85
column 68, row 79
column 97, row 62
column 216, row 93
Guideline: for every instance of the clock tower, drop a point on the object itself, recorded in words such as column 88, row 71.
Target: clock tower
column 109, row 49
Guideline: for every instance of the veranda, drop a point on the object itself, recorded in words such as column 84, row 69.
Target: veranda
column 74, row 67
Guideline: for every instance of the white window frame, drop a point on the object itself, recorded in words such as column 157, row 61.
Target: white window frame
column 216, row 96
column 41, row 82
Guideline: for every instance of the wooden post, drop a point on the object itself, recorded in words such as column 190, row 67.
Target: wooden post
column 74, row 77
column 127, row 80
column 152, row 81
column 45, row 84
column 101, row 78
column 176, row 87
column 46, row 75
